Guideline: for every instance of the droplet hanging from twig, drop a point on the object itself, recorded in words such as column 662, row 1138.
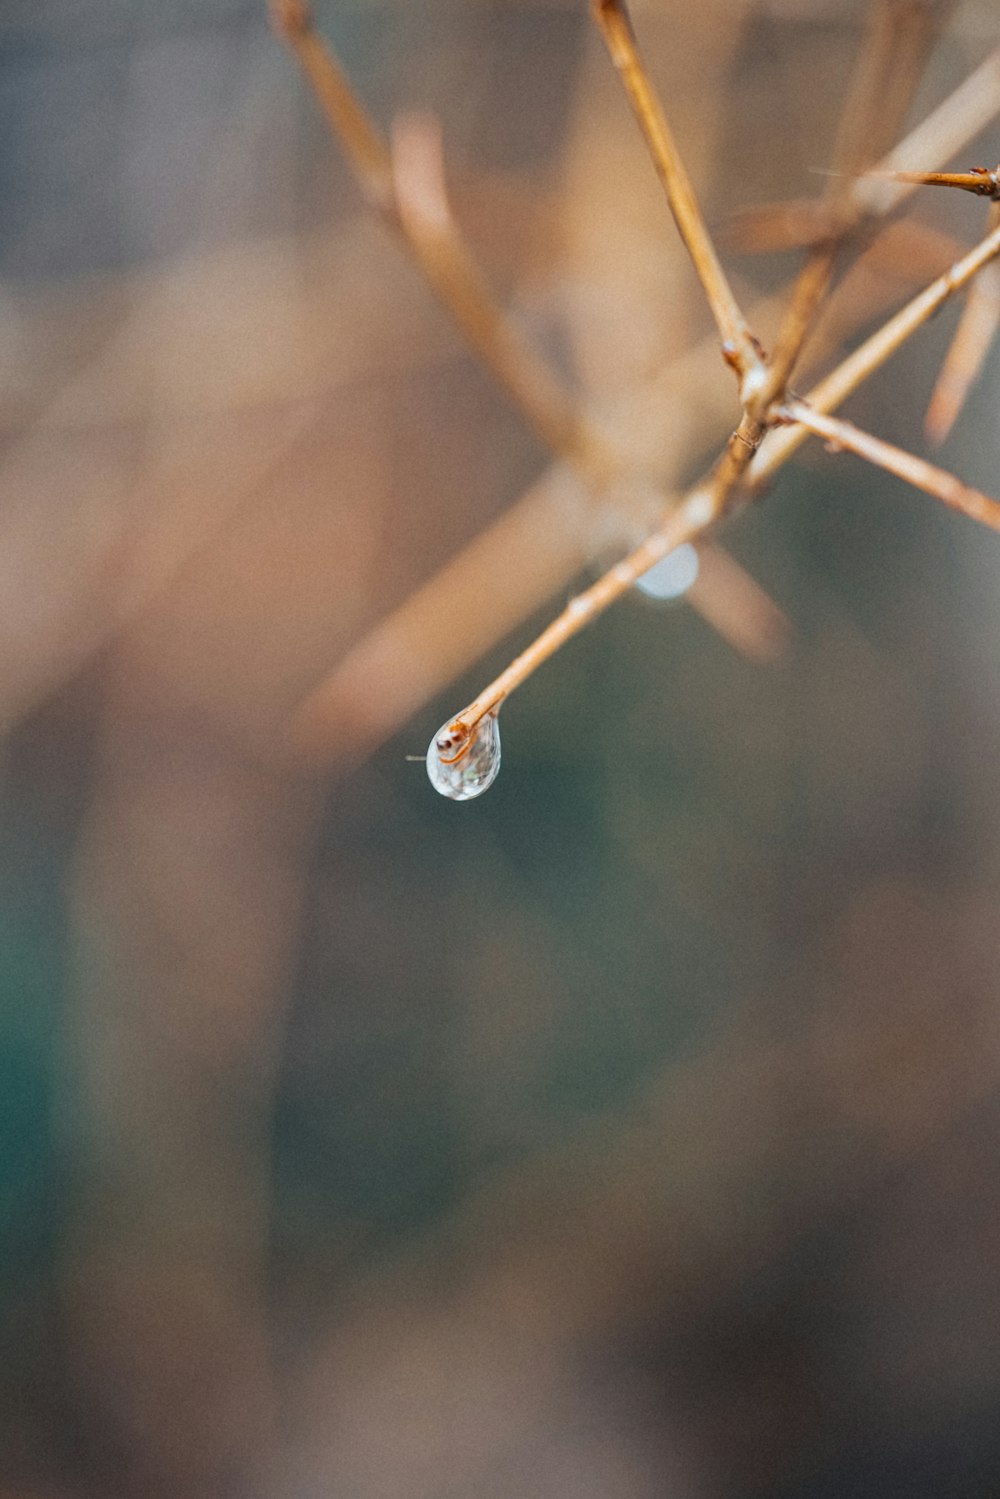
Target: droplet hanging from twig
column 463, row 766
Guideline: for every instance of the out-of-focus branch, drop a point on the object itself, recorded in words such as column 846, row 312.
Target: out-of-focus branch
column 904, row 252
column 968, row 349
column 957, row 119
column 890, row 63
column 412, row 202
column 742, row 612
column 935, row 481
column 406, row 186
column 737, row 341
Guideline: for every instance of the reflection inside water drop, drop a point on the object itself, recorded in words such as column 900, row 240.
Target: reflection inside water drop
column 461, row 769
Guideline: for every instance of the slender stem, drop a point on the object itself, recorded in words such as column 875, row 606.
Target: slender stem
column 916, row 471
column 984, row 183
column 706, row 504
column 956, row 120
column 858, row 366
column 613, row 19
column 421, row 217
column 690, row 519
column 741, row 611
column 879, row 94
column 349, row 120
column 966, row 111
column 405, row 185
column 432, row 234
column 808, row 294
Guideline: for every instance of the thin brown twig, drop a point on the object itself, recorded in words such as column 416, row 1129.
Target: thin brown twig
column 896, row 31
column 405, row 185
column 389, row 673
column 982, row 181
column 957, row 119
column 763, row 384
column 690, row 519
column 902, row 254
column 419, row 214
column 935, row 481
column 414, row 651
column 737, row 341
column 705, row 505
column 869, row 356
column 885, row 82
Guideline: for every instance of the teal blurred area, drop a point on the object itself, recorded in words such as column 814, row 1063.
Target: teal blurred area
column 631, row 1130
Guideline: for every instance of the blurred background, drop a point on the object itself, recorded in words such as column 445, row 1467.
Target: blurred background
column 633, row 1130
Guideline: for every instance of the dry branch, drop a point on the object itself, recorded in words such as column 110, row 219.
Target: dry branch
column 710, row 500
column 737, row 341
column 405, row 186
column 979, row 180
column 866, row 359
column 916, row 471
column 414, row 205
column 374, row 688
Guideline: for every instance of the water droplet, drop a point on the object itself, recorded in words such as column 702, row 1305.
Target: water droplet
column 672, row 575
column 464, row 769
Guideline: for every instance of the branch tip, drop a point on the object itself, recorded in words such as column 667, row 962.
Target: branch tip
column 290, row 18
column 613, row 13
column 619, row 37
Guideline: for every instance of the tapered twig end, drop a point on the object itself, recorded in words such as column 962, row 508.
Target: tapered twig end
column 938, row 423
column 615, row 22
column 983, row 181
column 290, row 18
